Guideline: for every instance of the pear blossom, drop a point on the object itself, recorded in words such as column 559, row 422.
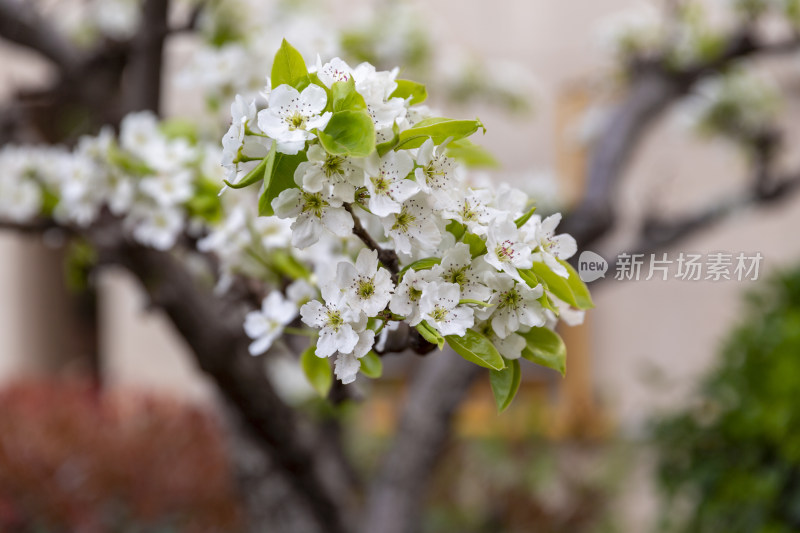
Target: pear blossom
column 313, row 212
column 458, row 267
column 472, row 209
column 377, row 87
column 406, row 298
column 266, row 324
column 292, row 115
column 414, row 228
column 155, row 226
column 365, row 286
column 334, row 70
column 513, row 305
column 506, row 249
column 510, row 347
column 347, row 365
column 169, row 189
column 549, row 247
column 301, row 292
column 387, row 184
column 439, row 307
column 336, row 175
column 339, row 324
column 437, row 174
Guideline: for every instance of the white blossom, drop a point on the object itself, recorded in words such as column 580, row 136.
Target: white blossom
column 365, row 285
column 348, row 364
column 457, row 266
column 408, row 294
column 338, row 176
column 313, row 212
column 415, row 228
column 439, row 307
column 387, row 184
column 291, row 116
column 339, row 324
column 266, row 324
column 513, row 305
column 506, row 249
column 548, row 246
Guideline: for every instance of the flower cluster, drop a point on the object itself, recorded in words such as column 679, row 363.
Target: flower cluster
column 145, row 177
column 344, row 152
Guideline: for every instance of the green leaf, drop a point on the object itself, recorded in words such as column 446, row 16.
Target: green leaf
column 385, row 147
column 410, row 89
column 467, row 301
column 572, row 290
column 438, row 129
column 371, row 365
column 278, row 177
column 345, row 97
column 505, row 384
column 524, row 218
column 545, row 347
column 430, row 334
column 179, row 128
column 350, row 133
column 285, row 263
column 317, row 371
column 288, row 67
column 477, row 246
column 471, row 155
column 421, row 264
column 477, row 349
column 456, row 228
column 255, row 175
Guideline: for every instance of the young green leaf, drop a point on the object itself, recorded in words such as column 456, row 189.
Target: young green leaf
column 471, row 154
column 477, row 349
column 430, row 334
column 439, row 129
column 371, row 365
column 317, row 371
column 289, row 67
column 255, row 175
column 346, row 97
column 410, row 89
column 421, row 264
column 278, row 176
column 349, row 133
column 477, row 246
column 572, row 290
column 505, row 384
column 386, row 146
column 285, row 263
column 456, row 229
column 545, row 347
column 524, row 218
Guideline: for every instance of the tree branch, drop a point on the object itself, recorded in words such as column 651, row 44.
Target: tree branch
column 654, row 86
column 20, row 24
column 397, row 494
column 387, row 257
column 142, row 87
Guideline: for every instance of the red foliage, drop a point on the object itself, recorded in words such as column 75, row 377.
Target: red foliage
column 73, row 459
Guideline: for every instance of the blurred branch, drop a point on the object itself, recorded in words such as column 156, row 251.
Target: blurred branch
column 142, row 87
column 654, row 86
column 398, row 491
column 20, row 24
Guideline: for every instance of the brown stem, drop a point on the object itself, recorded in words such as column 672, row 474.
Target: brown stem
column 387, row 257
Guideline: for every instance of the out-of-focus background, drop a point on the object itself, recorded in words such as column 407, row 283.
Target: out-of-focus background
column 578, row 453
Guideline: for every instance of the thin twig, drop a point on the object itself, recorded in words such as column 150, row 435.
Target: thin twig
column 387, row 257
